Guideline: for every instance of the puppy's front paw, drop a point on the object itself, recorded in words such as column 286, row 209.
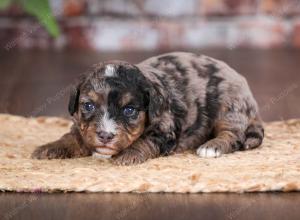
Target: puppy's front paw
column 129, row 157
column 210, row 150
column 49, row 151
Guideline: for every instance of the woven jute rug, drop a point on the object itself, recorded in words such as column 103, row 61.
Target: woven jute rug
column 275, row 166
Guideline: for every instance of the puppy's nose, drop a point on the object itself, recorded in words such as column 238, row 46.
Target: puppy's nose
column 105, row 137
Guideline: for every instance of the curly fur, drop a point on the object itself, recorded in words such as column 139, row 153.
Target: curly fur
column 182, row 101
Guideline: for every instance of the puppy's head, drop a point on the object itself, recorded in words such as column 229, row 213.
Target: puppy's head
column 111, row 106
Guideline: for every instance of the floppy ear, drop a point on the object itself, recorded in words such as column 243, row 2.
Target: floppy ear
column 73, row 101
column 74, row 95
column 156, row 97
column 158, row 101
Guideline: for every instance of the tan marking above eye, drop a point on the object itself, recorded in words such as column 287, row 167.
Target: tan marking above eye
column 126, row 98
column 93, row 95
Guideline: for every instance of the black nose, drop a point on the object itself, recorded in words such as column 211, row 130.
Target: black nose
column 105, row 137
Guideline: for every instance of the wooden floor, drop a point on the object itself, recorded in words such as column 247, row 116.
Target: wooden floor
column 36, row 83
column 108, row 206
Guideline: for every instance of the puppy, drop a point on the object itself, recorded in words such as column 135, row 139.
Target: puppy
column 169, row 103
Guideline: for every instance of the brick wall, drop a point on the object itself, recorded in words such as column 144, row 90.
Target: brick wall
column 111, row 25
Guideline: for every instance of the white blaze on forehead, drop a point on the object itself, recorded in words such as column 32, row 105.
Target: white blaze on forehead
column 109, row 70
column 108, row 124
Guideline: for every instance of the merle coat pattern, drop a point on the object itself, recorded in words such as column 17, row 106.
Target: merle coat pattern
column 165, row 104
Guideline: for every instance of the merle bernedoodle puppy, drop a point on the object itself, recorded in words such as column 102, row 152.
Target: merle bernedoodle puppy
column 165, row 104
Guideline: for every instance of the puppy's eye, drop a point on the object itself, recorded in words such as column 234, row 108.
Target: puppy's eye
column 89, row 107
column 129, row 111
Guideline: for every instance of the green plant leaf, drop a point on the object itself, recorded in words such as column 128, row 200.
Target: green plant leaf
column 42, row 11
column 4, row 3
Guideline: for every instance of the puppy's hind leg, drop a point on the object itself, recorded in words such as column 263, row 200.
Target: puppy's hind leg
column 229, row 133
column 254, row 134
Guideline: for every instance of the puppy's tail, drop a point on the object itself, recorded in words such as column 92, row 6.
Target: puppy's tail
column 254, row 134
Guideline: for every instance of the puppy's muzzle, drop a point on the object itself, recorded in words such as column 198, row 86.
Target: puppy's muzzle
column 105, row 137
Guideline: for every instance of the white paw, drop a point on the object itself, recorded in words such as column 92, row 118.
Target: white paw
column 208, row 152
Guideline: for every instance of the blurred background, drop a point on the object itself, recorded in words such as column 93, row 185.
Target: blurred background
column 131, row 25
column 46, row 44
